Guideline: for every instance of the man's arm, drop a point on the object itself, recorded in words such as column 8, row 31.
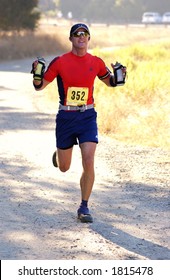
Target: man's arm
column 38, row 69
column 117, row 77
column 39, row 85
column 107, row 82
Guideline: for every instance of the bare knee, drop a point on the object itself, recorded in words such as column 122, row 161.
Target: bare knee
column 88, row 163
column 64, row 159
column 64, row 168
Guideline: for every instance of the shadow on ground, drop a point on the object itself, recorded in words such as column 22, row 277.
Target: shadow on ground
column 12, row 119
column 34, row 204
column 135, row 207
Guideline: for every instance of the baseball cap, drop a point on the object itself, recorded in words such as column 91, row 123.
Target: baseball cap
column 77, row 26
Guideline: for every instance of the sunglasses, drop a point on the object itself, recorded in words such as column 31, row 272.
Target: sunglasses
column 81, row 33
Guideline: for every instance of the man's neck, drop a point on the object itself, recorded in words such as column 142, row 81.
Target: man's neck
column 79, row 52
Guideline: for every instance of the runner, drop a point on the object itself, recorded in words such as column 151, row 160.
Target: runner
column 76, row 120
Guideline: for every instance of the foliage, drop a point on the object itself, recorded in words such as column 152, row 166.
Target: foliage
column 18, row 14
column 108, row 11
column 139, row 111
column 48, row 5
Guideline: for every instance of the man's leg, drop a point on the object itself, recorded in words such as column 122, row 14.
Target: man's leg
column 64, row 158
column 88, row 175
column 86, row 180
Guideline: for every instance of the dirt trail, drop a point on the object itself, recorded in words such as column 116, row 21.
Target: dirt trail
column 130, row 200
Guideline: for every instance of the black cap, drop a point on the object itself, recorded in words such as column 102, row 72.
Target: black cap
column 77, row 26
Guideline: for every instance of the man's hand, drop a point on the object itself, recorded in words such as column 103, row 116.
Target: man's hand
column 119, row 73
column 38, row 68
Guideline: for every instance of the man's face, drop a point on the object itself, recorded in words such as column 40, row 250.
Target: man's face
column 80, row 38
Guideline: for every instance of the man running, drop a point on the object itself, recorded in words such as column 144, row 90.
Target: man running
column 76, row 123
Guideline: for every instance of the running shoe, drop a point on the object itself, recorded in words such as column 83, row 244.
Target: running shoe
column 54, row 159
column 84, row 215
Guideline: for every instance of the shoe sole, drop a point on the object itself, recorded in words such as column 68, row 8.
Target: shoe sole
column 54, row 160
column 85, row 218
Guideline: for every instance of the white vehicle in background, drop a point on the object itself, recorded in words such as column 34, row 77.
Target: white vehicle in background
column 166, row 18
column 151, row 17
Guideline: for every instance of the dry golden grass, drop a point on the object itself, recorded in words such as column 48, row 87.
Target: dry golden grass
column 19, row 46
column 139, row 112
column 53, row 39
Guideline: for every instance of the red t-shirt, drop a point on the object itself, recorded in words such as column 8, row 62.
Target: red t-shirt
column 75, row 77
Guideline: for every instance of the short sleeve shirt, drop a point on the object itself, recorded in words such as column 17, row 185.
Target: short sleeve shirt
column 75, row 77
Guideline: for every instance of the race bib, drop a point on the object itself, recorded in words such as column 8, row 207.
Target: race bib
column 77, row 96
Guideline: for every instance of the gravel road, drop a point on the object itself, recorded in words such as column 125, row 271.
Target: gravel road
column 130, row 202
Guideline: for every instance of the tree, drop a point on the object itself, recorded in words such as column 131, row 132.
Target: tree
column 111, row 11
column 18, row 14
column 48, row 5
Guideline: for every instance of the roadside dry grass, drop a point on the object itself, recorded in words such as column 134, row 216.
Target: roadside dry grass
column 24, row 45
column 53, row 39
column 136, row 113
column 139, row 112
